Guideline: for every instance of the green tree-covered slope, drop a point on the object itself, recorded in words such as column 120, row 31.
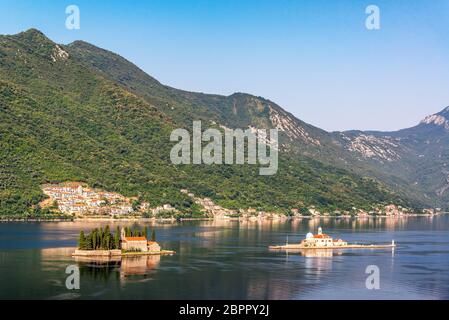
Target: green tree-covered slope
column 62, row 120
column 241, row 110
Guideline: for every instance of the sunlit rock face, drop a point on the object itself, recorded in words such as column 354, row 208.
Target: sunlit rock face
column 436, row 119
column 59, row 54
column 369, row 146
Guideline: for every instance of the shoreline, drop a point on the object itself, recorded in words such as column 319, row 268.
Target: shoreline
column 34, row 220
column 162, row 220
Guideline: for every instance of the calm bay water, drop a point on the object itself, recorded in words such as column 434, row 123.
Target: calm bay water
column 230, row 260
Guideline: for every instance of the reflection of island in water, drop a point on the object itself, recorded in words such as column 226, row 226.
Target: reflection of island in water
column 139, row 265
column 318, row 253
column 318, row 262
column 319, row 259
column 104, row 267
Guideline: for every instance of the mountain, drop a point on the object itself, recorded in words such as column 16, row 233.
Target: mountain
column 81, row 113
column 348, row 151
column 407, row 161
column 235, row 111
column 418, row 155
column 238, row 110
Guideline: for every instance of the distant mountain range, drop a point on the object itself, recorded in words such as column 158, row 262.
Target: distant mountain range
column 78, row 112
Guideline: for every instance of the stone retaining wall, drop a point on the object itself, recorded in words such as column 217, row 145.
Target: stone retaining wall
column 97, row 253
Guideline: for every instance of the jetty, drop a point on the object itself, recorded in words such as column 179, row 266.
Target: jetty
column 349, row 246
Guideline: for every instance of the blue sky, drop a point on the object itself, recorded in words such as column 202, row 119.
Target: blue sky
column 315, row 58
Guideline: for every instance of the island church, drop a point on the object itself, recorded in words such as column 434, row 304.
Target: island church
column 138, row 243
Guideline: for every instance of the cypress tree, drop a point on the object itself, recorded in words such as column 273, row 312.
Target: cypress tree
column 82, row 241
column 98, row 233
column 107, row 242
column 101, row 238
column 107, row 238
column 117, row 239
column 89, row 242
column 107, row 231
column 153, row 235
column 94, row 239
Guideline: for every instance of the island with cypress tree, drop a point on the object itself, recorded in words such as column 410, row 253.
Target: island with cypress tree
column 124, row 242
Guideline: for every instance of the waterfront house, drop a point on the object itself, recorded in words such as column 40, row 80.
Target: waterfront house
column 164, row 208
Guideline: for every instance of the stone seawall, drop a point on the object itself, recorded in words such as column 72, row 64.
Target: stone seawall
column 97, row 253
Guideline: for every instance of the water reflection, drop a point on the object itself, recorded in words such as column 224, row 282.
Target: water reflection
column 319, row 253
column 105, row 267
column 140, row 265
column 231, row 260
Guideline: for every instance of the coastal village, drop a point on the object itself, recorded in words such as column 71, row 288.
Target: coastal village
column 211, row 209
column 216, row 211
column 79, row 200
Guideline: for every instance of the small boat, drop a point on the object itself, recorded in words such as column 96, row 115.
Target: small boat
column 324, row 241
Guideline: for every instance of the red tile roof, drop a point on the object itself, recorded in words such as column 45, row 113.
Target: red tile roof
column 320, row 236
column 135, row 239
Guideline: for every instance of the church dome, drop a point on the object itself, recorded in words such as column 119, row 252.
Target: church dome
column 309, row 235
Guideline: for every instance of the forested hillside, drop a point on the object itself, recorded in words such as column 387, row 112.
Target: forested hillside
column 62, row 120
